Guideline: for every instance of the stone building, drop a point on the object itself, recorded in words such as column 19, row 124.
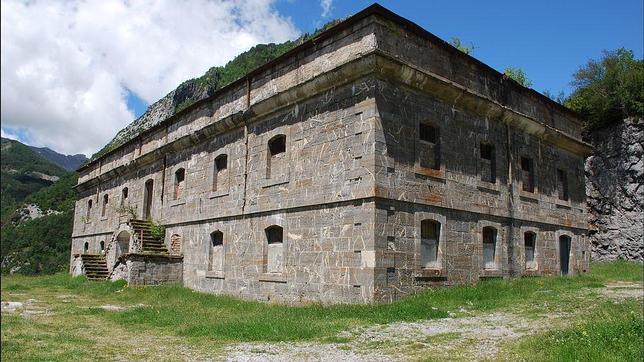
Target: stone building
column 363, row 165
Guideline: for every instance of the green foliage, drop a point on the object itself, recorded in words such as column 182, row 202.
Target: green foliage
column 613, row 332
column 19, row 177
column 59, row 196
column 559, row 97
column 609, row 89
column 157, row 231
column 40, row 245
column 619, row 270
column 37, row 246
column 458, row 44
column 518, row 75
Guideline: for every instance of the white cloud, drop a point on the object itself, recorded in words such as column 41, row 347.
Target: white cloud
column 327, row 6
column 66, row 65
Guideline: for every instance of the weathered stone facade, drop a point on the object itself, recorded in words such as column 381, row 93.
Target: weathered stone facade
column 362, row 166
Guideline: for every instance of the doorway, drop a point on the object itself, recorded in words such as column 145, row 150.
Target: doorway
column 564, row 253
column 147, row 199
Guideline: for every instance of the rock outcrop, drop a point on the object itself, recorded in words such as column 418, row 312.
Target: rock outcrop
column 615, row 191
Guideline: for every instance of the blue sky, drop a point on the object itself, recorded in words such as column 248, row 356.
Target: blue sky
column 548, row 39
column 76, row 72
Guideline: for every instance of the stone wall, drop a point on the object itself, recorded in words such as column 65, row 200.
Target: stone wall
column 334, row 214
column 145, row 269
column 614, row 185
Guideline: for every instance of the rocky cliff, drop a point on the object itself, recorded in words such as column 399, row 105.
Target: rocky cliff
column 615, row 190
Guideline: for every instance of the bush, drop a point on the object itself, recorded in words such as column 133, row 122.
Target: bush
column 157, row 231
column 609, row 89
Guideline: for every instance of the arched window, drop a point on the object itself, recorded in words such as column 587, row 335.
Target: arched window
column 89, row 209
column 104, row 208
column 276, row 161
column 124, row 195
column 489, row 247
column 429, row 238
column 102, row 247
column 85, row 248
column 216, row 251
column 274, row 249
column 175, row 244
column 529, row 240
column 179, row 183
column 220, row 174
column 429, row 146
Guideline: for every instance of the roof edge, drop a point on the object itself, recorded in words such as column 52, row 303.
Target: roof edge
column 374, row 9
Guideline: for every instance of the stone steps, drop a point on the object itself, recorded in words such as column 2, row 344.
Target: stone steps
column 143, row 231
column 95, row 267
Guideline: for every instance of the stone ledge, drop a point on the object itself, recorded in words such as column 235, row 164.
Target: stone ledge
column 211, row 274
column 491, row 273
column 431, row 274
column 489, row 187
column 529, row 197
column 274, row 182
column 216, row 194
column 174, row 203
column 272, row 277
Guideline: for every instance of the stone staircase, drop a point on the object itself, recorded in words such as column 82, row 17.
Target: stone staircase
column 95, row 266
column 142, row 230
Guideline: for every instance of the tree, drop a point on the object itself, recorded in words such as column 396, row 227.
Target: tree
column 609, row 89
column 456, row 43
column 559, row 97
column 518, row 75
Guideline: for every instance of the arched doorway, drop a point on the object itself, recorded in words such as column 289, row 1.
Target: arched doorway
column 122, row 243
column 564, row 254
column 147, row 199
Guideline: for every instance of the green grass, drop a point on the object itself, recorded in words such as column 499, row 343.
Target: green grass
column 200, row 319
column 614, row 332
column 618, row 270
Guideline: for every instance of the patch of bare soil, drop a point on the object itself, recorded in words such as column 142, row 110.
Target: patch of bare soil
column 623, row 290
column 27, row 309
column 474, row 337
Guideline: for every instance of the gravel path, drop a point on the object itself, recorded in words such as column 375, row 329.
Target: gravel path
column 475, row 337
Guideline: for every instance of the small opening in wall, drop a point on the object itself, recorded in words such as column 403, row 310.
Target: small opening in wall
column 489, row 247
column 124, row 195
column 179, row 183
column 427, row 133
column 104, row 208
column 277, row 145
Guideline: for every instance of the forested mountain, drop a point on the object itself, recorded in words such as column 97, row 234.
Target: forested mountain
column 68, row 162
column 23, row 172
column 37, row 210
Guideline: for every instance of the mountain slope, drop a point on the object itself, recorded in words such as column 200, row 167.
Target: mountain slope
column 68, row 162
column 22, row 172
column 196, row 89
column 37, row 211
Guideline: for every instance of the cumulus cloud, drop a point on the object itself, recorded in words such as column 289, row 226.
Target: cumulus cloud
column 326, row 7
column 67, row 66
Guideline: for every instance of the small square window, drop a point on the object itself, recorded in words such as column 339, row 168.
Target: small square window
column 487, row 151
column 427, row 133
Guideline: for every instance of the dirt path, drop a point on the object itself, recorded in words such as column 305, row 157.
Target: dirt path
column 465, row 336
column 474, row 337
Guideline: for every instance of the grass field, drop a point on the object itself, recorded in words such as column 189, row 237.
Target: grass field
column 66, row 318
